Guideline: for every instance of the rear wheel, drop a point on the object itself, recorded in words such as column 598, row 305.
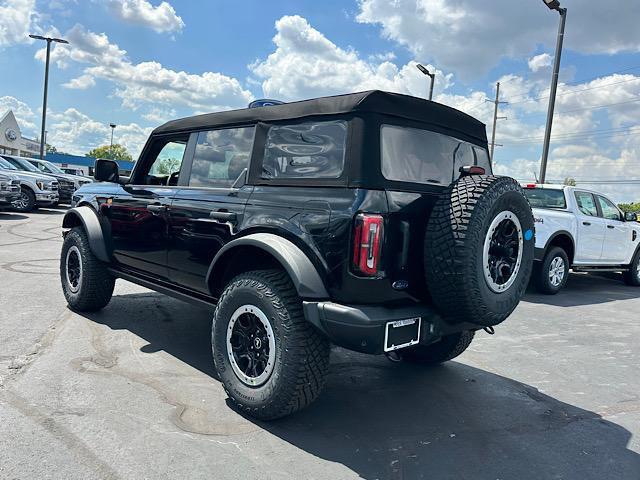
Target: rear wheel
column 552, row 273
column 632, row 276
column 26, row 202
column 86, row 283
column 447, row 348
column 271, row 361
column 478, row 250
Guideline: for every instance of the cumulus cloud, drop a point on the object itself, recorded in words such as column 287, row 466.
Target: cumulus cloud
column 540, row 62
column 145, row 83
column 306, row 64
column 161, row 18
column 80, row 83
column 24, row 115
column 16, row 21
column 470, row 37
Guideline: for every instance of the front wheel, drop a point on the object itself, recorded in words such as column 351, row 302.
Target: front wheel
column 632, row 276
column 445, row 349
column 26, row 202
column 553, row 272
column 271, row 361
column 86, row 283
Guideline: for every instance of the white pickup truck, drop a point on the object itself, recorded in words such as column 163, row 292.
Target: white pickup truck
column 581, row 230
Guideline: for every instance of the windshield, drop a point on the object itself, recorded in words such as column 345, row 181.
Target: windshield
column 545, row 198
column 49, row 167
column 21, row 164
column 6, row 165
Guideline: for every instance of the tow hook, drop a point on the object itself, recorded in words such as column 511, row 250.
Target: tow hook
column 394, row 356
column 489, row 330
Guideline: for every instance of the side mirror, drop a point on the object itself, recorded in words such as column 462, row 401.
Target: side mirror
column 106, row 171
column 631, row 217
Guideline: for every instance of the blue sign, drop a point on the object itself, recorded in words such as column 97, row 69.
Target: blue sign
column 264, row 102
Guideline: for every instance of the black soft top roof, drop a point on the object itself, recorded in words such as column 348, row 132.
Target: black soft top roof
column 373, row 101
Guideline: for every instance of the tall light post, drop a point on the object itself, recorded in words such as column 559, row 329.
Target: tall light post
column 113, row 127
column 46, row 86
column 553, row 5
column 424, row 70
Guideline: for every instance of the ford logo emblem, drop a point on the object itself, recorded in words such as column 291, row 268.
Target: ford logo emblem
column 264, row 102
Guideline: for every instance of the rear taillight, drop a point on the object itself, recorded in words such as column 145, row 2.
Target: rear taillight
column 367, row 244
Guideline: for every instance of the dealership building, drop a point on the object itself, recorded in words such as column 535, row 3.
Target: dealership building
column 13, row 143
column 11, row 140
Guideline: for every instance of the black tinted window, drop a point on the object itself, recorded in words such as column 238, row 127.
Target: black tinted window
column 306, row 150
column 545, row 198
column 421, row 156
column 221, row 156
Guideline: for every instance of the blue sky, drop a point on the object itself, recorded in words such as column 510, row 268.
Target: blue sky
column 139, row 63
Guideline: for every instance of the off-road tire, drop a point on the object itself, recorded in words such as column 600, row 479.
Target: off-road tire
column 541, row 272
column 632, row 276
column 30, row 199
column 301, row 352
column 96, row 286
column 445, row 349
column 454, row 246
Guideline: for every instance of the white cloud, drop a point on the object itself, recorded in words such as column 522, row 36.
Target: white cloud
column 306, row 64
column 470, row 37
column 16, row 21
column 540, row 62
column 162, row 18
column 159, row 115
column 80, row 83
column 24, row 115
column 146, row 82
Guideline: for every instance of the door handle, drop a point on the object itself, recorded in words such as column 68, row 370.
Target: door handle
column 611, row 227
column 157, row 208
column 586, row 223
column 224, row 216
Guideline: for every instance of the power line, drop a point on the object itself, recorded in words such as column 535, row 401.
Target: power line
column 592, row 107
column 564, row 138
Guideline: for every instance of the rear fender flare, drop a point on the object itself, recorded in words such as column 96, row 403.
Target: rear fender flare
column 88, row 218
column 302, row 272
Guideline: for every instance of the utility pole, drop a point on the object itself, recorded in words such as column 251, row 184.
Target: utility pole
column 46, row 86
column 553, row 5
column 496, row 103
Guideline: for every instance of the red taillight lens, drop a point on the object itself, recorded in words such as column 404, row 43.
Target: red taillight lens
column 530, row 185
column 367, row 244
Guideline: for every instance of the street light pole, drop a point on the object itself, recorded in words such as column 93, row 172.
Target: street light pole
column 424, row 70
column 113, row 127
column 46, row 86
column 553, row 5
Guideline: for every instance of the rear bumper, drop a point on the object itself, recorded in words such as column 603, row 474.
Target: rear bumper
column 362, row 327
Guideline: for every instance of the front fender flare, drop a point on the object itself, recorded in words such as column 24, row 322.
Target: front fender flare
column 303, row 274
column 88, row 218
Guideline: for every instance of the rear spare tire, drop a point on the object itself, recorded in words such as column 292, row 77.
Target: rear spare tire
column 478, row 249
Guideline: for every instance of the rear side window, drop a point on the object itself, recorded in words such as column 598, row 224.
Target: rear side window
column 586, row 204
column 421, row 156
column 221, row 156
column 545, row 198
column 305, row 150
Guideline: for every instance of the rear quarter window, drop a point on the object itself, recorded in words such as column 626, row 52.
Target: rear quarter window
column 422, row 156
column 545, row 198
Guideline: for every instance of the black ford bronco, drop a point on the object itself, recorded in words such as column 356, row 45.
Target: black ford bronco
column 369, row 220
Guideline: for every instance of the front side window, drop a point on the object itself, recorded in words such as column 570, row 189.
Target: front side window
column 422, row 156
column 305, row 150
column 586, row 204
column 168, row 155
column 609, row 210
column 221, row 156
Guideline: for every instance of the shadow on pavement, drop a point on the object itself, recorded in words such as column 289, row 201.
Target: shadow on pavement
column 386, row 420
column 586, row 289
column 9, row 215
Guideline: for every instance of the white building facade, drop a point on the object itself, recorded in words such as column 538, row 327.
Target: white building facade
column 11, row 140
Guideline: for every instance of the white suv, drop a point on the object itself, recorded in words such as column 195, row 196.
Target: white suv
column 581, row 230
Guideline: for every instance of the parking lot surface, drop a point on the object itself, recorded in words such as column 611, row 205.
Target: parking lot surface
column 130, row 392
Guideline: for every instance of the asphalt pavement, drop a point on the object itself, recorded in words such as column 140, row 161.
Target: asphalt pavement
column 130, row 392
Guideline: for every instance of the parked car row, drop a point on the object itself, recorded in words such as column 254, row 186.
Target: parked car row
column 40, row 183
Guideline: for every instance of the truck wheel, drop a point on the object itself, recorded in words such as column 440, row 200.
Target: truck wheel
column 447, row 348
column 632, row 276
column 478, row 250
column 271, row 361
column 86, row 282
column 26, row 202
column 552, row 273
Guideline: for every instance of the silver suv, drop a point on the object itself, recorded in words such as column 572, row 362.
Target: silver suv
column 36, row 189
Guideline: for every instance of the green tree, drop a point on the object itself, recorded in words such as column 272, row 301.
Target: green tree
column 570, row 181
column 117, row 152
column 50, row 148
column 629, row 207
column 167, row 166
